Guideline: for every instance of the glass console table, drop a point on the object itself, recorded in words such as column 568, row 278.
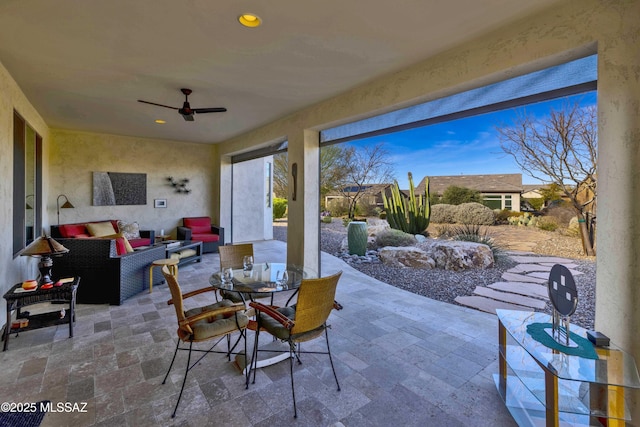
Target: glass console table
column 544, row 386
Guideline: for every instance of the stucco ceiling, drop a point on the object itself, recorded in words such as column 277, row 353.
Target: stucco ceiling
column 84, row 64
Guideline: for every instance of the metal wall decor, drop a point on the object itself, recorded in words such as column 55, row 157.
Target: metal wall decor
column 179, row 185
column 564, row 299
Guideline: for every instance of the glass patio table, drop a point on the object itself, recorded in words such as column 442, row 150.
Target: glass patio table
column 265, row 278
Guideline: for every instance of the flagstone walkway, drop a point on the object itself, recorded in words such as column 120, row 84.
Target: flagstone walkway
column 524, row 286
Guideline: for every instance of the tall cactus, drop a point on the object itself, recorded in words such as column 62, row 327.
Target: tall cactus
column 408, row 215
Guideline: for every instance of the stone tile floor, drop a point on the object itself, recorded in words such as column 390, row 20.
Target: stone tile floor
column 401, row 359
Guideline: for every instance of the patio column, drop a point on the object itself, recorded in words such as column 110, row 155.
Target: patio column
column 225, row 196
column 304, row 212
column 618, row 215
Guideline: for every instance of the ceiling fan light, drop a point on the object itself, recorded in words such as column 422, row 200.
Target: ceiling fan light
column 249, row 20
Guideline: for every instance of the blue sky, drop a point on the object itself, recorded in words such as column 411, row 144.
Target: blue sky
column 467, row 146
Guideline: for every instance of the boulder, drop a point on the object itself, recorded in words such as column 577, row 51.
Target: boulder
column 457, row 255
column 420, row 238
column 405, row 256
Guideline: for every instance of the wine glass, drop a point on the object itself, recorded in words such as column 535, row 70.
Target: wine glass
column 247, row 265
column 227, row 275
column 282, row 281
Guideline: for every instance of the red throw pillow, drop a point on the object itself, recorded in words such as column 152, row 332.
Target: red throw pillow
column 72, row 230
column 121, row 248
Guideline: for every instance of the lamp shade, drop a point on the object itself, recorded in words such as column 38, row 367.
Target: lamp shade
column 44, row 246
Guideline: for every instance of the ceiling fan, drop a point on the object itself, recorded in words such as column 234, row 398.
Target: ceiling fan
column 186, row 111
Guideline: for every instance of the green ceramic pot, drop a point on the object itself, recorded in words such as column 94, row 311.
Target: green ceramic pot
column 357, row 237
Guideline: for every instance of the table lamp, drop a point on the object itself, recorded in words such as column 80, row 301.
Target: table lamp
column 44, row 247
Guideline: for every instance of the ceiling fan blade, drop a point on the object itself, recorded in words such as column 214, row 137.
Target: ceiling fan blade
column 188, row 117
column 209, row 110
column 159, row 105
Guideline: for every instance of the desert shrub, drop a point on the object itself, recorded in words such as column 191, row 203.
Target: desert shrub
column 442, row 231
column 502, row 217
column 364, row 208
column 562, row 214
column 338, row 207
column 279, row 208
column 524, row 219
column 443, row 213
column 391, row 237
column 548, row 223
column 536, row 202
column 346, row 220
column 454, row 195
column 474, row 233
column 475, row 213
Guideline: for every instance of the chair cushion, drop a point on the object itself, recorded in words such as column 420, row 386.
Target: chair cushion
column 101, row 229
column 185, row 253
column 217, row 325
column 274, row 327
column 205, row 237
column 198, row 225
column 129, row 230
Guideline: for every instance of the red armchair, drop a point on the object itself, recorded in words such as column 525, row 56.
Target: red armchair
column 200, row 229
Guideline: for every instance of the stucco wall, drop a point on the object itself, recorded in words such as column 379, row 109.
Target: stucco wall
column 11, row 97
column 74, row 156
column 252, row 218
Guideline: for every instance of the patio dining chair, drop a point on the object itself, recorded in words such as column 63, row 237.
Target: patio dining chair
column 303, row 321
column 211, row 322
column 233, row 256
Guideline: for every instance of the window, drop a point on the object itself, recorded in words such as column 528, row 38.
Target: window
column 493, row 201
column 27, row 183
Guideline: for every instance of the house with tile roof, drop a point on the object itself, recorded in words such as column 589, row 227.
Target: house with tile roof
column 499, row 191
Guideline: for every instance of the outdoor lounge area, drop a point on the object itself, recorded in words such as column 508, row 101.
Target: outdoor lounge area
column 100, row 91
column 401, row 359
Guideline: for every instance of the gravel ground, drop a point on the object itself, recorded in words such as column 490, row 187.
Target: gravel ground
column 443, row 285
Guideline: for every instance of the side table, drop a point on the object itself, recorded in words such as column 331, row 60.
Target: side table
column 541, row 385
column 172, row 264
column 18, row 300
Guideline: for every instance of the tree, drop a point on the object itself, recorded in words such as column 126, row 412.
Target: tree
column 550, row 193
column 455, row 195
column 280, row 178
column 332, row 168
column 332, row 171
column 364, row 167
column 560, row 149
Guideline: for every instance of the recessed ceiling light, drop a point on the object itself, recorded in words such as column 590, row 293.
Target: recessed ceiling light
column 249, row 20
column 160, row 121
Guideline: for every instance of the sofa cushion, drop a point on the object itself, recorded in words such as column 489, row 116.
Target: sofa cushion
column 198, row 225
column 122, row 244
column 100, row 229
column 205, row 237
column 143, row 241
column 72, row 230
column 185, row 253
column 129, row 230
